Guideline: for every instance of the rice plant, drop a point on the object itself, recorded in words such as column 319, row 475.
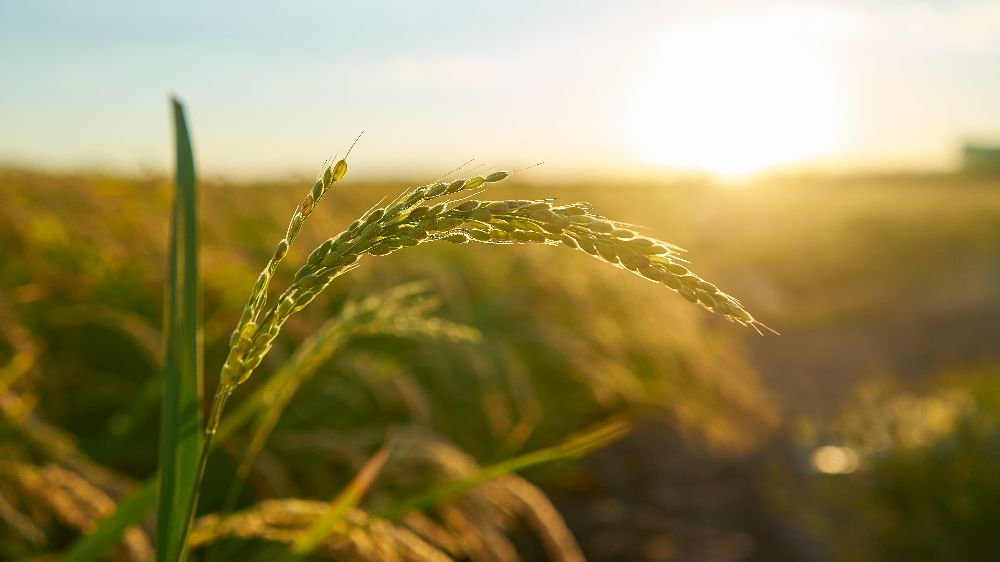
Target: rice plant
column 446, row 212
column 443, row 211
column 421, row 496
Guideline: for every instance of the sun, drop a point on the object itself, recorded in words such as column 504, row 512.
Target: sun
column 736, row 98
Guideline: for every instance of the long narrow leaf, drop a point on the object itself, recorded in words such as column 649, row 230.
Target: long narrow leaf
column 339, row 507
column 109, row 530
column 180, row 423
column 574, row 447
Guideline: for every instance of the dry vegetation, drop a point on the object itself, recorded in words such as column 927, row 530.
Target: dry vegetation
column 496, row 353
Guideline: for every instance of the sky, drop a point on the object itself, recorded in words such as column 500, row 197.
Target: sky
column 592, row 88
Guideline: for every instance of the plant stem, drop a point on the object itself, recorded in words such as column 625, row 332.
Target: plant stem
column 218, row 403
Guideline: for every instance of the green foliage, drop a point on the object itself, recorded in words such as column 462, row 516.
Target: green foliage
column 340, row 507
column 180, row 425
column 572, row 347
column 927, row 487
column 574, row 447
column 109, row 530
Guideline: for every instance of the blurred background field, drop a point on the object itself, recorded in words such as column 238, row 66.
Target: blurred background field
column 834, row 165
column 867, row 430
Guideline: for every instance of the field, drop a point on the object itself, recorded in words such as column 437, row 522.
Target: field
column 884, row 290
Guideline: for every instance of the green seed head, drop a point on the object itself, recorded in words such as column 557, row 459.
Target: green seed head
column 319, row 253
column 651, row 249
column 417, row 213
column 445, row 223
column 371, row 231
column 688, row 293
column 498, row 207
column 706, row 299
column 435, row 191
column 650, row 272
column 607, row 251
column 262, row 279
column 339, row 169
column 332, row 259
column 587, row 246
column 742, row 315
column 457, row 185
column 301, row 300
column 382, row 248
column 602, row 227
column 543, row 215
column 481, row 214
column 456, row 238
column 504, row 226
column 529, row 226
column 252, row 363
column 394, row 210
column 560, row 220
column 383, row 231
column 480, row 235
column 722, row 308
column 416, row 195
column 280, row 251
column 310, row 281
column 690, row 281
column 632, row 261
column 676, row 269
column 707, row 287
column 294, row 225
column 536, row 206
column 671, row 281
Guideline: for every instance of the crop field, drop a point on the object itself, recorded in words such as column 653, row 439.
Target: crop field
column 576, row 281
column 486, row 402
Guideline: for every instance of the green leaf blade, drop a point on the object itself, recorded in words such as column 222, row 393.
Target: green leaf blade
column 109, row 531
column 573, row 447
column 180, row 428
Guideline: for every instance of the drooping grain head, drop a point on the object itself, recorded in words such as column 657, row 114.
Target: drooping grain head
column 419, row 215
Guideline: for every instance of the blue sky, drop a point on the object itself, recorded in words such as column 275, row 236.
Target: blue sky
column 592, row 88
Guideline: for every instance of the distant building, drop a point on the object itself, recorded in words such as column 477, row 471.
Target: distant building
column 981, row 159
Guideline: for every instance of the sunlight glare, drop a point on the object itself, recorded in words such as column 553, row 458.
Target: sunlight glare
column 835, row 460
column 736, row 98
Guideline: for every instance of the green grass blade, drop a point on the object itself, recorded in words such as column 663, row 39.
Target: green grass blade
column 574, row 447
column 180, row 425
column 339, row 507
column 109, row 530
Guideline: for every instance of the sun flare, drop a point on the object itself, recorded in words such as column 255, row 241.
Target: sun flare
column 737, row 98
